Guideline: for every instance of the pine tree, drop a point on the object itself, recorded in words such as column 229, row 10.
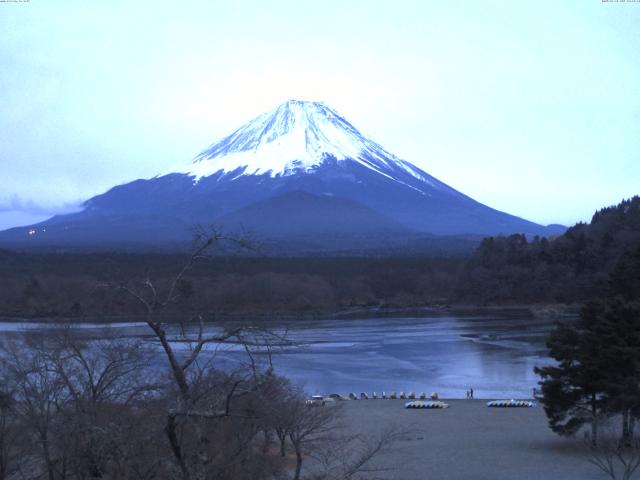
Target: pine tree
column 624, row 280
column 598, row 370
column 574, row 389
column 616, row 324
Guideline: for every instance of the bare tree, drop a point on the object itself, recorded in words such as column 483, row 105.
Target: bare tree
column 318, row 433
column 68, row 398
column 345, row 457
column 10, row 433
column 39, row 395
column 280, row 400
column 309, row 426
column 618, row 459
column 102, row 376
column 193, row 408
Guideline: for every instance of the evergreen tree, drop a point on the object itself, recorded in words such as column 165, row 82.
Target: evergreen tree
column 616, row 327
column 571, row 268
column 574, row 389
column 624, row 280
column 598, row 370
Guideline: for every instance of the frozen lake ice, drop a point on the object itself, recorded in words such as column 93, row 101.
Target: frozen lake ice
column 447, row 354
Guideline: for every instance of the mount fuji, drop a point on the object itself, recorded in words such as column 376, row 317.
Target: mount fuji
column 298, row 175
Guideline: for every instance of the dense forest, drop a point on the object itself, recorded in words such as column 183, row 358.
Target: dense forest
column 572, row 268
column 69, row 285
column 514, row 270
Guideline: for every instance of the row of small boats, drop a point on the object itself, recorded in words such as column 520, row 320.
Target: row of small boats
column 493, row 403
column 511, row 404
column 423, row 404
column 393, row 396
column 420, row 400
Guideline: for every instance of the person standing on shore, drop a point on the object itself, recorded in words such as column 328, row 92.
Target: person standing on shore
column 470, row 393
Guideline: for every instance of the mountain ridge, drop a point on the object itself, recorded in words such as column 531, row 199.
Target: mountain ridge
column 297, row 147
column 295, row 136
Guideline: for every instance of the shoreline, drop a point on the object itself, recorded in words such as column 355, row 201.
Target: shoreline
column 534, row 311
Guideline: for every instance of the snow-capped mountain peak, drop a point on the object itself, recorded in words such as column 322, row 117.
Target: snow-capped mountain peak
column 295, row 137
column 300, row 176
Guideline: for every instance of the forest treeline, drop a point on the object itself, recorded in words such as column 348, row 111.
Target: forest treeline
column 571, row 269
column 68, row 285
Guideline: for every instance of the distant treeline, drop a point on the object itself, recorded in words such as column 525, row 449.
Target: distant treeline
column 571, row 268
column 71, row 285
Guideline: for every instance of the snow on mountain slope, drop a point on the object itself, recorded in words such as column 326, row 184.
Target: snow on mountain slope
column 298, row 171
column 297, row 137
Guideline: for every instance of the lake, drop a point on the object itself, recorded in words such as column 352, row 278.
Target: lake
column 446, row 354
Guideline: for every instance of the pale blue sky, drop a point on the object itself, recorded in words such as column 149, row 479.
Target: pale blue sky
column 531, row 107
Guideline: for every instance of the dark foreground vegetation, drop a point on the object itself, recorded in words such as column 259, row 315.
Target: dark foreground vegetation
column 595, row 382
column 76, row 407
column 514, row 270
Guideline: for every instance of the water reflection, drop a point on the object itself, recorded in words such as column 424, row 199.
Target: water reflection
column 493, row 355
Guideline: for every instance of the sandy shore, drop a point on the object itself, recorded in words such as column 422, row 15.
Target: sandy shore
column 472, row 442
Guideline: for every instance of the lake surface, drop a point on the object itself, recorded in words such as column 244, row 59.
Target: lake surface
column 445, row 354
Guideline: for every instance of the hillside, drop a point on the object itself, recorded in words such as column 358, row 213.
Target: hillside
column 573, row 267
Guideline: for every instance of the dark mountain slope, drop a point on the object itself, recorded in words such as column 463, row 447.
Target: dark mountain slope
column 261, row 168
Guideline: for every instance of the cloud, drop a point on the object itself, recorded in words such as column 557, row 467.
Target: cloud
column 30, row 207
